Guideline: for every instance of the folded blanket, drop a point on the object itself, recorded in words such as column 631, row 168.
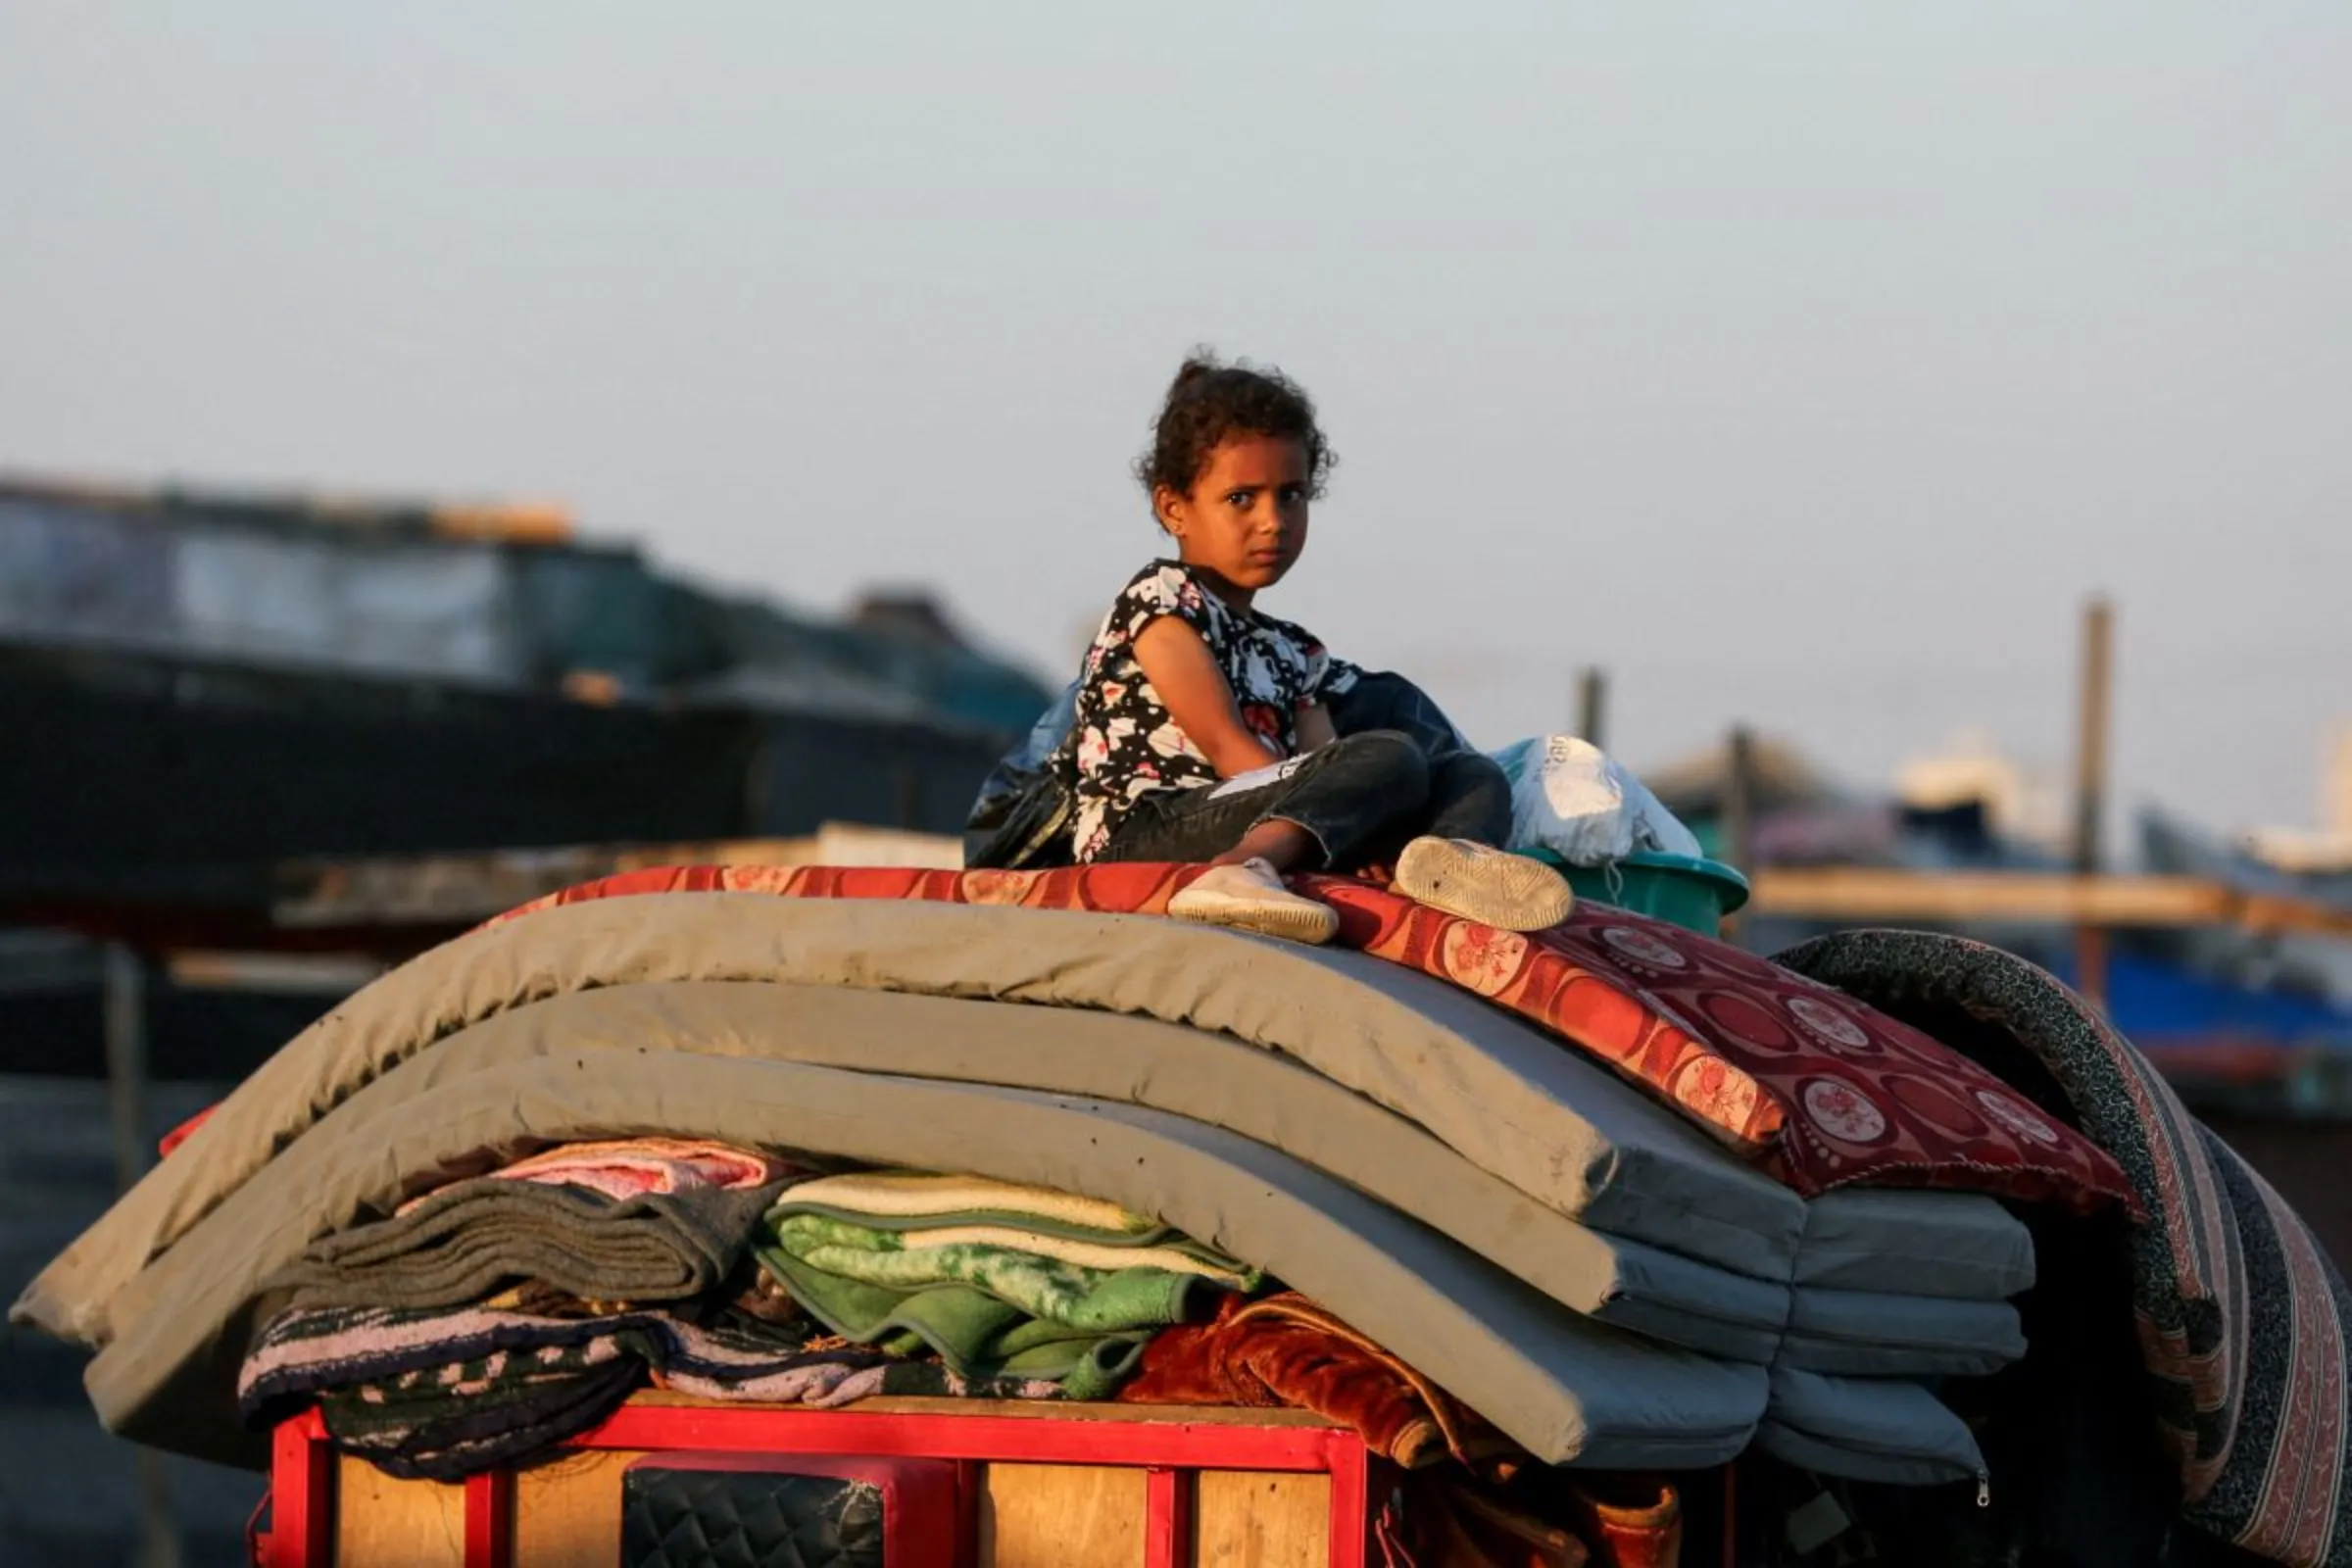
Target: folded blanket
column 464, row 1241
column 1287, row 1351
column 986, row 1311
column 926, row 1209
column 909, row 1200
column 442, row 1394
column 634, row 1167
column 950, row 1251
column 1023, row 1267
column 512, row 1411
column 2244, row 1324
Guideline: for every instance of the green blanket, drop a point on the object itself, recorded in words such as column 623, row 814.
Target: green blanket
column 989, row 1312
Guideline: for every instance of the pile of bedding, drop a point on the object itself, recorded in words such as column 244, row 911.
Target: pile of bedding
column 1614, row 1194
column 496, row 1317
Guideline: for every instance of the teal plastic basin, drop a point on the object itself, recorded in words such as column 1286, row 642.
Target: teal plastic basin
column 1680, row 889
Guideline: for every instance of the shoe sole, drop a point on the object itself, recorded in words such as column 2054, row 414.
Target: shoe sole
column 1508, row 891
column 1311, row 923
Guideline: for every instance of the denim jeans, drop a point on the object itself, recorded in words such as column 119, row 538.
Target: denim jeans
column 1022, row 816
column 1362, row 798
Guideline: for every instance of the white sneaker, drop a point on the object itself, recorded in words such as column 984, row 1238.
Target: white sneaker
column 1250, row 897
column 1509, row 892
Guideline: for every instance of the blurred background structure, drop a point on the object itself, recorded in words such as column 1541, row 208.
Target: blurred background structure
column 210, row 698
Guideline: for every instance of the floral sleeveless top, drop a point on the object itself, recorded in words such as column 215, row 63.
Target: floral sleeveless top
column 1128, row 745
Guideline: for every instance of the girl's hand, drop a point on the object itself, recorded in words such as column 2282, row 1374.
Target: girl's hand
column 1315, row 728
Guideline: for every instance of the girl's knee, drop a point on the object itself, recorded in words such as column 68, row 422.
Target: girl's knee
column 1392, row 758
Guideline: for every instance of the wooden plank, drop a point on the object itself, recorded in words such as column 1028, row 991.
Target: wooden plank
column 286, row 973
column 442, row 889
column 1250, row 1519
column 1061, row 1516
column 515, row 522
column 1867, row 893
column 1194, row 1415
column 439, row 889
column 2268, row 915
column 384, row 1522
column 857, row 843
column 568, row 1510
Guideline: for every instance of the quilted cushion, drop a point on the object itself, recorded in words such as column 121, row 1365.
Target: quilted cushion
column 747, row 1519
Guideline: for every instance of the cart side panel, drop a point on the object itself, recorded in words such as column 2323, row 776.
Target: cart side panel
column 1262, row 1518
column 1061, row 1516
column 384, row 1522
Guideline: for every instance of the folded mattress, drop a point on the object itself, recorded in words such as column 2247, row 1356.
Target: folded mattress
column 1571, row 1389
column 1915, row 1243
column 1867, row 1429
column 1879, row 1334
column 1510, row 1100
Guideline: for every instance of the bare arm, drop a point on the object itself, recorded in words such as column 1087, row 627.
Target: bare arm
column 1314, row 727
column 1185, row 673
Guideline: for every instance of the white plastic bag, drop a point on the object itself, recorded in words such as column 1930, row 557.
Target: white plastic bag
column 1569, row 797
column 1654, row 827
column 1565, row 797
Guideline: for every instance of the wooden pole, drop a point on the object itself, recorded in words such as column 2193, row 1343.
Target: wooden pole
column 2090, row 785
column 126, row 1028
column 1739, row 823
column 1592, row 704
column 759, row 785
column 910, row 796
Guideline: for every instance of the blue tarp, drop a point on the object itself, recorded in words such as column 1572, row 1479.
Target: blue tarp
column 2150, row 1002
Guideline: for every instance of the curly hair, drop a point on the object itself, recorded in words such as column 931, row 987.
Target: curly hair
column 1210, row 402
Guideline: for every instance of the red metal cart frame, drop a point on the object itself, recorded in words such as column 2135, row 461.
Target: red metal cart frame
column 1171, row 1453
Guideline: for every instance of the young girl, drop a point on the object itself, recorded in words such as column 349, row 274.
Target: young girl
column 1202, row 730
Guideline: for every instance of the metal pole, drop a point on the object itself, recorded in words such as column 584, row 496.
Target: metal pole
column 759, row 782
column 910, row 781
column 125, row 1029
column 1592, row 704
column 2090, row 785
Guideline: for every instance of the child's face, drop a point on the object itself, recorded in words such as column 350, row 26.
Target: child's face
column 1245, row 518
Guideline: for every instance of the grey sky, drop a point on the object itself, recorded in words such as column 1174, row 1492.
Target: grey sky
column 1803, row 363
